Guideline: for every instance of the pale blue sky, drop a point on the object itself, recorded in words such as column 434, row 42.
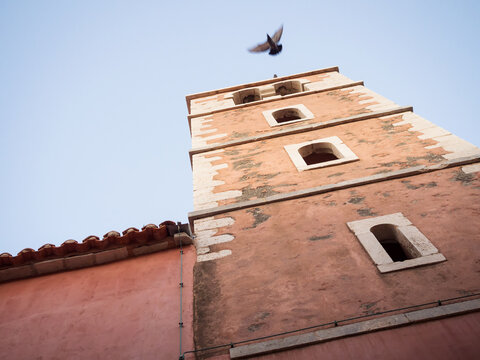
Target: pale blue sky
column 93, row 129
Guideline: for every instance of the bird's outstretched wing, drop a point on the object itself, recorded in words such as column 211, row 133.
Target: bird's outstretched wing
column 260, row 47
column 278, row 34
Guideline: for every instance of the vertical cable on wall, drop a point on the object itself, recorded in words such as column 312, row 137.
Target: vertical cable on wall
column 180, row 324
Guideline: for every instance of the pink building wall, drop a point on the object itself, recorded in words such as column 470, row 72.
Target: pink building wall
column 450, row 338
column 127, row 309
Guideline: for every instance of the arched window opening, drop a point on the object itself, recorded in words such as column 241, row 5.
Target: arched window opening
column 246, row 96
column 285, row 115
column 404, row 246
column 391, row 240
column 319, row 153
column 288, row 87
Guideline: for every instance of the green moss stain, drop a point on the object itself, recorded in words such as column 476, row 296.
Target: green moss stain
column 364, row 141
column 356, row 200
column 324, row 237
column 258, row 216
column 237, row 135
column 256, row 175
column 387, row 126
column 336, row 174
column 258, row 321
column 231, row 152
column 245, row 164
column 411, row 186
column 258, row 192
column 370, row 307
column 414, row 161
column 255, row 327
column 465, row 179
column 366, row 212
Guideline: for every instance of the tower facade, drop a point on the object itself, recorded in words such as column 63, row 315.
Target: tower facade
column 324, row 210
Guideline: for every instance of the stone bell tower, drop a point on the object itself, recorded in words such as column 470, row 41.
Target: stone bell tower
column 325, row 210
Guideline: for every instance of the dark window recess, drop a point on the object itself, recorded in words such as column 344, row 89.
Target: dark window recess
column 315, row 158
column 288, row 87
column 393, row 248
column 249, row 98
column 388, row 236
column 285, row 115
column 246, row 96
column 282, row 90
column 318, row 153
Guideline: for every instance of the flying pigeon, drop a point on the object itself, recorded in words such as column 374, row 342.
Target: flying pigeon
column 271, row 43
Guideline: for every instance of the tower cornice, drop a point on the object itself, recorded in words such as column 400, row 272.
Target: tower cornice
column 257, row 83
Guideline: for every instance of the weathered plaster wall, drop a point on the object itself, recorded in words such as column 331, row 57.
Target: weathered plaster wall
column 206, row 230
column 263, row 168
column 295, row 263
column 123, row 310
column 206, row 167
column 249, row 121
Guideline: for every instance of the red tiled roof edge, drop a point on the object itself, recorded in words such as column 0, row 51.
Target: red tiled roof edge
column 91, row 251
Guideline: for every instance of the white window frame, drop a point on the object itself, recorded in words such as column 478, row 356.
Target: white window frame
column 428, row 254
column 342, row 151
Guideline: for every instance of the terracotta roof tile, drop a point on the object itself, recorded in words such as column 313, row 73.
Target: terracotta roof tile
column 112, row 233
column 6, row 259
column 26, row 254
column 91, row 237
column 149, row 234
column 129, row 230
column 46, row 250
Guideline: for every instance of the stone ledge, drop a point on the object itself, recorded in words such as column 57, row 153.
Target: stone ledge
column 411, row 263
column 49, row 266
column 18, row 272
column 79, row 261
column 383, row 323
column 107, row 256
column 416, row 170
column 142, row 250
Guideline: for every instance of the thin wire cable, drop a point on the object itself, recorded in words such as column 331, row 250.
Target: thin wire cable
column 232, row 344
column 180, row 324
